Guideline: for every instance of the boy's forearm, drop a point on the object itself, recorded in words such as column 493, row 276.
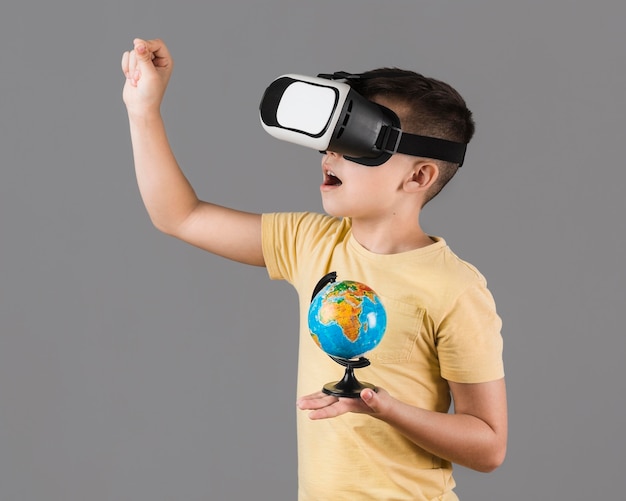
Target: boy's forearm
column 475, row 436
column 460, row 438
column 167, row 194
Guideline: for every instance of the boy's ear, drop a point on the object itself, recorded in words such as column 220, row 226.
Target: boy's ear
column 424, row 174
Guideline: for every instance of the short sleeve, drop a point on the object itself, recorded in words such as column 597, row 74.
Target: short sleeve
column 271, row 246
column 289, row 238
column 469, row 340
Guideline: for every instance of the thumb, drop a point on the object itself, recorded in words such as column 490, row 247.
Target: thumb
column 371, row 399
column 143, row 54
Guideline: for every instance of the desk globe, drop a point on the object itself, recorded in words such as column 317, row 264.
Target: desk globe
column 346, row 320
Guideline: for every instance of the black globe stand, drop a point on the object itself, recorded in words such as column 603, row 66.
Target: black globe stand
column 349, row 386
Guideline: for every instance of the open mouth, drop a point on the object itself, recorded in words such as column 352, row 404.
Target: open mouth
column 330, row 179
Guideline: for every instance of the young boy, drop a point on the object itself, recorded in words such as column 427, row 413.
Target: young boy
column 443, row 337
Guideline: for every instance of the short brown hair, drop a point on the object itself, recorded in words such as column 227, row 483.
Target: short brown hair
column 433, row 108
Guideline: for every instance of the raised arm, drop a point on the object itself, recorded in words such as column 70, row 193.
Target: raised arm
column 168, row 196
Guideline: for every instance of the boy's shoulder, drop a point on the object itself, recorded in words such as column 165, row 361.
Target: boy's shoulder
column 461, row 266
column 454, row 274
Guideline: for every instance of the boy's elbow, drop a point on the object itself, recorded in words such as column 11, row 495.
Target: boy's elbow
column 163, row 226
column 490, row 467
column 159, row 226
column 172, row 220
column 492, row 461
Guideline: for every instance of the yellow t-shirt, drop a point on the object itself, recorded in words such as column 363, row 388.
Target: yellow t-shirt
column 441, row 325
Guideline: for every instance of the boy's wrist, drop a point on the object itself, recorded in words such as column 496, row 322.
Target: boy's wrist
column 144, row 117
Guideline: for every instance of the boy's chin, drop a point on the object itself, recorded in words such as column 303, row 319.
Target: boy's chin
column 333, row 211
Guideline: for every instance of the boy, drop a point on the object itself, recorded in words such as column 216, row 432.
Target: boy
column 443, row 336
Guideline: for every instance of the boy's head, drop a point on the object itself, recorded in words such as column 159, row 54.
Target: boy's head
column 425, row 106
column 416, row 116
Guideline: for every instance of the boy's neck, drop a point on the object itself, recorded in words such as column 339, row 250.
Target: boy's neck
column 390, row 239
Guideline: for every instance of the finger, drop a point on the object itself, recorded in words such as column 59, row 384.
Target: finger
column 134, row 73
column 125, row 60
column 316, row 401
column 338, row 408
column 312, row 396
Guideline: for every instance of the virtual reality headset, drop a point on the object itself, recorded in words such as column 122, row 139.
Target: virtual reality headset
column 325, row 114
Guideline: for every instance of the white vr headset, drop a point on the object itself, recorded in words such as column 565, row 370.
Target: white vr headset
column 323, row 114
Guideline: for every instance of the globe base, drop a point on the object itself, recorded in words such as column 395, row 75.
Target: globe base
column 349, row 386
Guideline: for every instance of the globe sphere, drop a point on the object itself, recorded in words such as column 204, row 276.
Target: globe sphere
column 347, row 319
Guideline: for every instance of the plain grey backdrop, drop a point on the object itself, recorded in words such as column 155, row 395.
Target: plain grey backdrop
column 134, row 367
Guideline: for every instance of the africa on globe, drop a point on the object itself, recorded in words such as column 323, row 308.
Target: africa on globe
column 347, row 319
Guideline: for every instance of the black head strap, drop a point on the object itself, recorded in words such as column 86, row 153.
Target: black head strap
column 344, row 75
column 397, row 141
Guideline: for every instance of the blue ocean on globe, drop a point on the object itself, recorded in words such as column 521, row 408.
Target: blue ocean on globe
column 347, row 319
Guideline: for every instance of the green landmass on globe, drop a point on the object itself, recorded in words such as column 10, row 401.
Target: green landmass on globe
column 347, row 319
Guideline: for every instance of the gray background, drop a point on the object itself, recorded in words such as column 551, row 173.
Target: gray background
column 134, row 367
